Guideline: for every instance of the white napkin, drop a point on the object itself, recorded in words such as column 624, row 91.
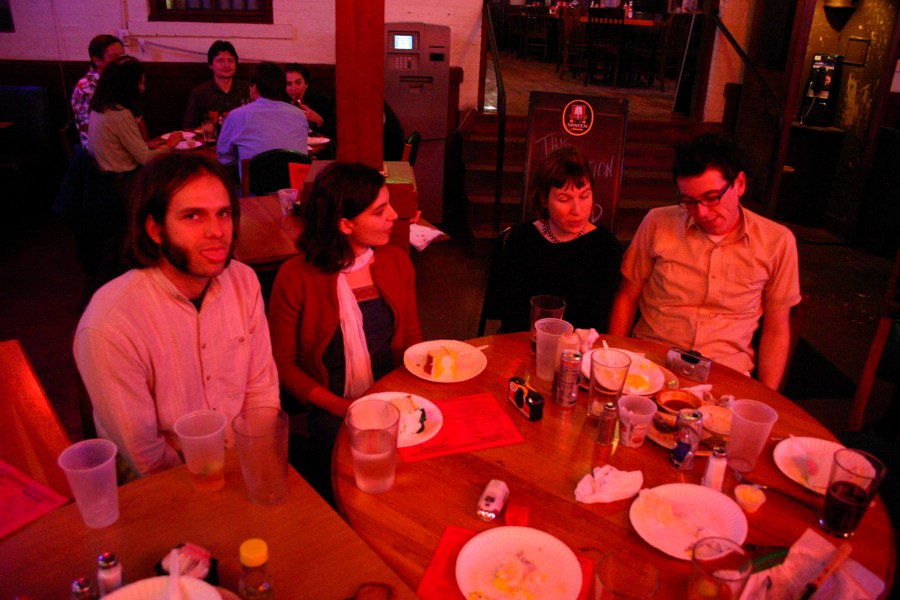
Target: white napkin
column 804, row 561
column 608, row 484
column 702, row 391
column 586, row 339
column 420, row 236
column 813, row 468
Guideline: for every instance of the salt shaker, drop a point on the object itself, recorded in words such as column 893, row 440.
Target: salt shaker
column 606, row 432
column 83, row 589
column 715, row 469
column 109, row 573
column 492, row 500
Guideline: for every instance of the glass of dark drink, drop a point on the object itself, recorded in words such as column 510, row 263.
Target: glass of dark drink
column 854, row 481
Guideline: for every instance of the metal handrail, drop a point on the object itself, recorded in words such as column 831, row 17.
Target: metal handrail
column 748, row 63
column 501, row 113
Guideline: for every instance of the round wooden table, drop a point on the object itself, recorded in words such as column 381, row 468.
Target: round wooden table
column 405, row 524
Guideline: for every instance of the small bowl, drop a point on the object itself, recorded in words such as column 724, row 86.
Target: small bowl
column 749, row 497
column 673, row 401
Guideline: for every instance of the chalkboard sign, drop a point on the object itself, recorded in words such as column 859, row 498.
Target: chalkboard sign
column 596, row 126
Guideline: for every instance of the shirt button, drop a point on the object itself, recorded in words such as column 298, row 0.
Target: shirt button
column 203, row 346
column 208, row 377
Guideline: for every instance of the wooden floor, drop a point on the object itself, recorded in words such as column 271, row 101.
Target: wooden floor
column 521, row 77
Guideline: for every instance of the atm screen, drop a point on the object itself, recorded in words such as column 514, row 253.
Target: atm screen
column 403, row 41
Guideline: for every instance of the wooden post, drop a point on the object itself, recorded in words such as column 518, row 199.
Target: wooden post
column 359, row 80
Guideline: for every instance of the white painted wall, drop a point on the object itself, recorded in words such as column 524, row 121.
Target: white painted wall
column 727, row 66
column 303, row 31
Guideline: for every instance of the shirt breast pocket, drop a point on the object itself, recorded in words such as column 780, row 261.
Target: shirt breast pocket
column 746, row 283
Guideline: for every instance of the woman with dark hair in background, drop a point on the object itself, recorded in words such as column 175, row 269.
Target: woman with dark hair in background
column 560, row 253
column 344, row 311
column 114, row 139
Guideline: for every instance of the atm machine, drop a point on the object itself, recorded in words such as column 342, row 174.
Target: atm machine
column 417, row 88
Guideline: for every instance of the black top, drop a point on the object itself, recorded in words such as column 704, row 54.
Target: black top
column 584, row 272
column 209, row 96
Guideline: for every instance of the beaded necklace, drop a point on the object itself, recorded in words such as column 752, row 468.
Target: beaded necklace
column 548, row 233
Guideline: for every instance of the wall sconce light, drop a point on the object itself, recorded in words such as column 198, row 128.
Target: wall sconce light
column 844, row 4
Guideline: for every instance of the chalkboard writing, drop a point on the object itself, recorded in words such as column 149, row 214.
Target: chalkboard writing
column 596, row 126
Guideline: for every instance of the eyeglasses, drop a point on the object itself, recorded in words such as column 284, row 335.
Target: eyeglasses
column 707, row 201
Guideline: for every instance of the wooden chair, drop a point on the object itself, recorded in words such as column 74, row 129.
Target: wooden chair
column 490, row 307
column 883, row 359
column 515, row 30
column 573, row 45
column 32, row 434
column 537, row 32
column 664, row 54
column 411, row 148
column 267, row 172
column 605, row 43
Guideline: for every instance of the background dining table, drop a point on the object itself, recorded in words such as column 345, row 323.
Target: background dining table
column 313, row 553
column 405, row 524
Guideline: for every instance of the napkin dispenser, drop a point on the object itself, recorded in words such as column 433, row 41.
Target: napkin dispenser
column 525, row 398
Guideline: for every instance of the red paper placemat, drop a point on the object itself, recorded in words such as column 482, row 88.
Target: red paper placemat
column 470, row 423
column 22, row 499
column 439, row 580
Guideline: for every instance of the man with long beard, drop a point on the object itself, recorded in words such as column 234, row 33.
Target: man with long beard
column 184, row 331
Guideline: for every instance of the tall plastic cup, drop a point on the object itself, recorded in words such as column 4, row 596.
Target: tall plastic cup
column 751, row 424
column 373, row 426
column 635, row 415
column 202, row 437
column 90, row 467
column 548, row 332
column 261, row 436
column 544, row 306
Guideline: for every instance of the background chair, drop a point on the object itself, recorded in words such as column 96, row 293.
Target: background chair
column 490, row 308
column 267, row 172
column 573, row 45
column 411, row 148
column 663, row 50
column 605, row 43
column 537, row 32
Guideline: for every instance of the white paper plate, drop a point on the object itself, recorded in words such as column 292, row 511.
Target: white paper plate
column 557, row 574
column 820, row 452
column 716, row 419
column 718, row 514
column 155, row 589
column 317, row 141
column 408, row 437
column 469, row 365
column 188, row 145
column 188, row 135
column 640, row 366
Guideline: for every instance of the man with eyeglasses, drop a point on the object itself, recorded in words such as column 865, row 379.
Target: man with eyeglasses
column 706, row 271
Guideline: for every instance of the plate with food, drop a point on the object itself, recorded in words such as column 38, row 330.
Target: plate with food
column 674, row 516
column 420, row 419
column 446, row 361
column 188, row 135
column 517, row 562
column 317, row 141
column 716, row 419
column 156, row 588
column 644, row 378
column 807, row 461
column 188, row 145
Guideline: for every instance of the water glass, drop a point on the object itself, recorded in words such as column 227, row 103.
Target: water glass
column 90, row 468
column 548, row 332
column 854, row 481
column 720, row 568
column 751, row 424
column 286, row 198
column 201, row 434
column 373, row 426
column 544, row 306
column 609, row 369
column 261, row 436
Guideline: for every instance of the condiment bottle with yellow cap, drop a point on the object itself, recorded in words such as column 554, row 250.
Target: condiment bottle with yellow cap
column 255, row 581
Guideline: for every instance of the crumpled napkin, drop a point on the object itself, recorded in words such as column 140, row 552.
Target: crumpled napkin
column 815, row 469
column 804, row 561
column 702, row 391
column 608, row 484
column 586, row 339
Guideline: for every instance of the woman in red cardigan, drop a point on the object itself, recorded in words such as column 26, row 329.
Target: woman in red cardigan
column 342, row 313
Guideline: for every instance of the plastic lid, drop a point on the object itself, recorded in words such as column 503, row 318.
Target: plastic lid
column 107, row 560
column 254, row 552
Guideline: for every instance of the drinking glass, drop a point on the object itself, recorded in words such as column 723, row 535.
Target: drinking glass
column 545, row 306
column 548, row 332
column 609, row 369
column 635, row 414
column 751, row 424
column 373, row 426
column 90, row 468
column 201, row 434
column 261, row 436
column 623, row 576
column 720, row 568
column 854, row 481
column 286, row 198
column 208, row 127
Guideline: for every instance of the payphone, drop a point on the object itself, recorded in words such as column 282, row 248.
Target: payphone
column 821, row 95
column 417, row 88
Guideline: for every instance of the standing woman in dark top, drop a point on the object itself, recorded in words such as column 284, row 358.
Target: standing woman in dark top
column 343, row 312
column 561, row 253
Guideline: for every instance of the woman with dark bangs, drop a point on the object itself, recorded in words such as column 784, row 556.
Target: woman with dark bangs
column 344, row 311
column 561, row 252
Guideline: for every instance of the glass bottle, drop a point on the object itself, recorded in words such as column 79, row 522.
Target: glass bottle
column 256, row 582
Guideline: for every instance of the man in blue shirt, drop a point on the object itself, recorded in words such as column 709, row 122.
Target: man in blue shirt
column 269, row 122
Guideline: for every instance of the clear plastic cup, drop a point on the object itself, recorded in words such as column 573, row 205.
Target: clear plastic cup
column 373, row 426
column 548, row 333
column 90, row 467
column 751, row 424
column 201, row 434
column 261, row 436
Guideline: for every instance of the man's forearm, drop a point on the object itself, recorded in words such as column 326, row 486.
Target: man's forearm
column 773, row 354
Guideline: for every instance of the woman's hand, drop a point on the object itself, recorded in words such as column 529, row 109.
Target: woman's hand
column 312, row 116
column 175, row 138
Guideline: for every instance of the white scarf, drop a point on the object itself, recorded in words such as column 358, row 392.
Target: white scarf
column 357, row 363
